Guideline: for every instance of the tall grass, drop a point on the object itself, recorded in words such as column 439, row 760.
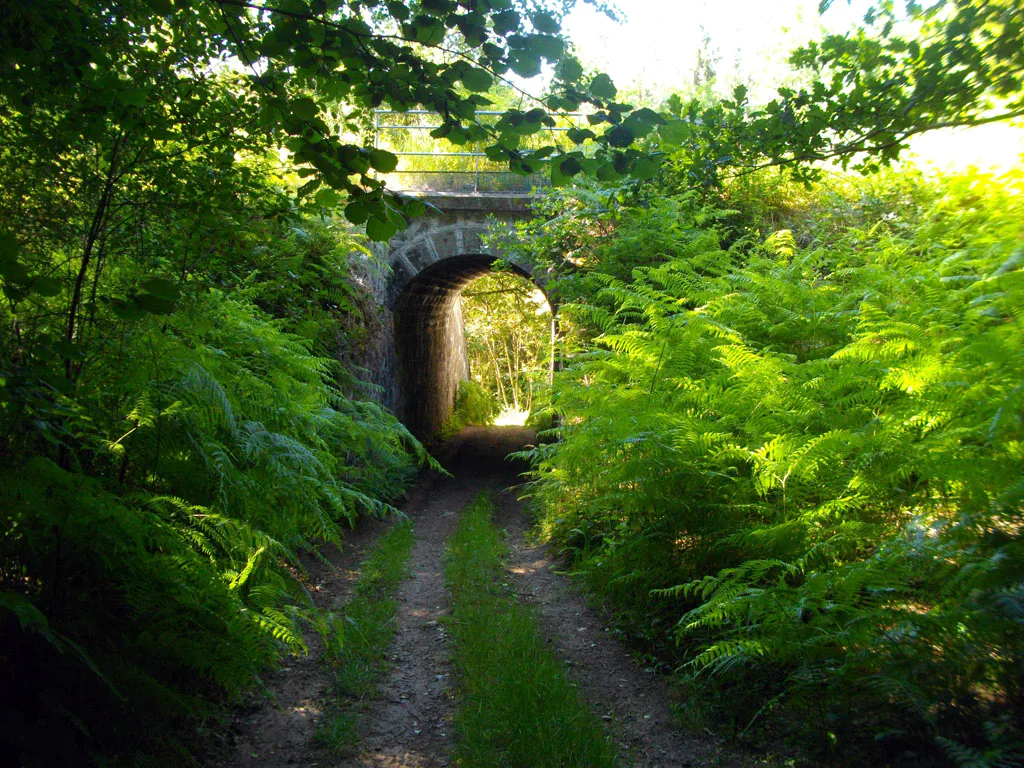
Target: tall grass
column 516, row 707
column 360, row 635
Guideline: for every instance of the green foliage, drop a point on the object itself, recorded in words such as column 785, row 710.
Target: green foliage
column 802, row 462
column 508, row 338
column 156, row 564
column 116, row 611
column 516, row 707
column 304, row 75
column 930, row 65
column 145, row 85
column 474, row 405
column 173, row 425
column 358, row 637
column 860, row 95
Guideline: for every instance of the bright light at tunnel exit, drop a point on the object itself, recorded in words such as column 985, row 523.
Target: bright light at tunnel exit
column 511, row 417
column 509, row 343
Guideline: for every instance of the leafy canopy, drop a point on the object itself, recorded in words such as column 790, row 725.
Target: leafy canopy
column 925, row 66
column 140, row 66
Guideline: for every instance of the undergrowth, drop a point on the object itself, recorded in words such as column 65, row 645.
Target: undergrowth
column 358, row 636
column 515, row 705
column 174, row 428
column 792, row 461
column 474, row 406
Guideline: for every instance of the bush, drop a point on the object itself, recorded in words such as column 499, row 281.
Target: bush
column 158, row 583
column 803, row 466
column 474, row 406
column 160, row 475
column 117, row 612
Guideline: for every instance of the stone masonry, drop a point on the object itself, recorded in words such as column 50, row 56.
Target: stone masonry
column 420, row 355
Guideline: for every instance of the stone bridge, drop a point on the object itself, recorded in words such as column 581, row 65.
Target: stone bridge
column 417, row 354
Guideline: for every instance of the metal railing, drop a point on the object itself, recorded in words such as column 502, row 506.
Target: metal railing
column 461, row 171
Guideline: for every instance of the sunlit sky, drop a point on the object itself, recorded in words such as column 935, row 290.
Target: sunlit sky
column 657, row 42
column 653, row 52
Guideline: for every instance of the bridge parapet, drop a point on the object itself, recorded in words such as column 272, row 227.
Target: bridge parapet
column 430, row 164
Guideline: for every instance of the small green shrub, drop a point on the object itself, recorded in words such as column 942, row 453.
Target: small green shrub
column 474, row 406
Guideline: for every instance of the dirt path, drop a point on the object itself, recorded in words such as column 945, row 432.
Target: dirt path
column 279, row 730
column 410, row 727
column 409, row 724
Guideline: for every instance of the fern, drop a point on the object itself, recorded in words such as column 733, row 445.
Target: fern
column 802, row 464
column 147, row 566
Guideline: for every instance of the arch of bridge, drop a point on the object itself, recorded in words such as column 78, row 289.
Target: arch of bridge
column 456, row 228
column 431, row 262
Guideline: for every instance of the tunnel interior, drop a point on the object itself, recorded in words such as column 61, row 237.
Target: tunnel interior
column 430, row 340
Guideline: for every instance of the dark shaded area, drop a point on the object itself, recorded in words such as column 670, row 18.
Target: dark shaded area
column 430, row 339
column 484, row 452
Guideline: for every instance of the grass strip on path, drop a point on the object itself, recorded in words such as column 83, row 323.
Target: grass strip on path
column 515, row 707
column 359, row 636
